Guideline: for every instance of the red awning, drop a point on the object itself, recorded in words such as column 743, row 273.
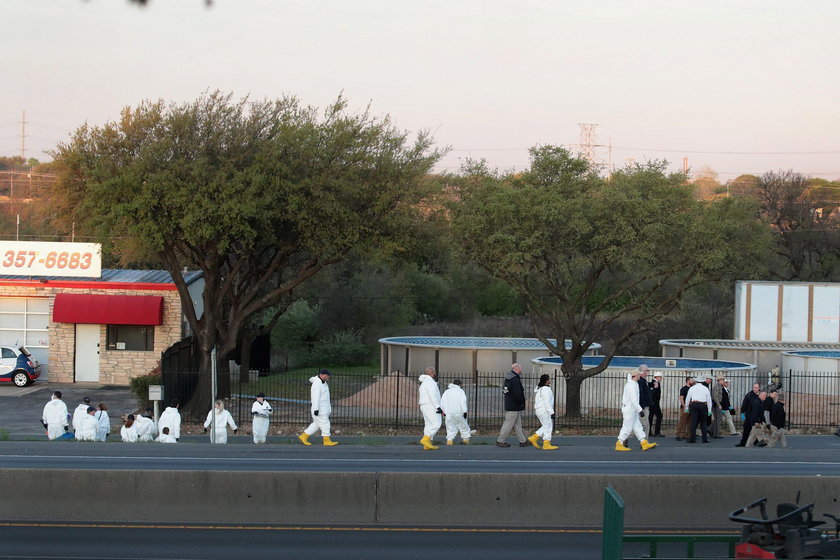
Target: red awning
column 108, row 310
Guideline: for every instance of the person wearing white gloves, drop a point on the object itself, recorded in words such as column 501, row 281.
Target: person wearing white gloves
column 320, row 409
column 128, row 432
column 453, row 402
column 260, row 411
column 544, row 409
column 88, row 426
column 54, row 417
column 80, row 413
column 630, row 410
column 171, row 418
column 220, row 420
column 145, row 426
column 103, row 427
column 165, row 436
column 430, row 407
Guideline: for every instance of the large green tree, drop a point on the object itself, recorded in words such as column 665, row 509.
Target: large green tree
column 258, row 195
column 599, row 260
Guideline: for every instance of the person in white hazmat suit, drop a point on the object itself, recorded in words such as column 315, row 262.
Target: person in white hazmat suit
column 544, row 409
column 80, row 413
column 320, row 408
column 220, row 420
column 171, row 418
column 453, row 402
column 145, row 426
column 88, row 426
column 54, row 417
column 630, row 410
column 260, row 411
column 430, row 407
column 128, row 432
column 103, row 422
column 165, row 437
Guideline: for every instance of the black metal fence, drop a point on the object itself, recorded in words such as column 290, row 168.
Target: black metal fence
column 370, row 399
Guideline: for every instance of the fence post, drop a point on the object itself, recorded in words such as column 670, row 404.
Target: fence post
column 397, row 403
column 613, row 527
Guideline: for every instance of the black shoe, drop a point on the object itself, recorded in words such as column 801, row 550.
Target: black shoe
column 692, row 441
column 762, row 444
column 740, row 445
column 717, row 437
column 679, row 438
column 502, row 444
column 705, row 440
column 524, row 444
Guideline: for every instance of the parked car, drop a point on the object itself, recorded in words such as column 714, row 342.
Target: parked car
column 18, row 366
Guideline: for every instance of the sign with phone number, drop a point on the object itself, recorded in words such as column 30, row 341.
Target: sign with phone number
column 37, row 258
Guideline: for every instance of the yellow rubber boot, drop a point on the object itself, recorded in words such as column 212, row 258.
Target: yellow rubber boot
column 646, row 445
column 465, row 442
column 533, row 439
column 304, row 438
column 450, row 442
column 621, row 447
column 426, row 442
column 328, row 442
column 547, row 445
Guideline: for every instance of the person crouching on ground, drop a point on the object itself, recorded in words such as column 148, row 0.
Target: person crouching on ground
column 429, row 402
column 630, row 410
column 88, row 426
column 453, row 402
column 165, row 436
column 220, row 420
column 128, row 432
column 320, row 409
column 544, row 409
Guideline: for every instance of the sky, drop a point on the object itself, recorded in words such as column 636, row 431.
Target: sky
column 737, row 87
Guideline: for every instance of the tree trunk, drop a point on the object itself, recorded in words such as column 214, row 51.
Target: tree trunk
column 573, row 385
column 245, row 357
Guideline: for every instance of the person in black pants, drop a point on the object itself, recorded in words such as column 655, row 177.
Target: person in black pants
column 752, row 410
column 699, row 402
column 655, row 409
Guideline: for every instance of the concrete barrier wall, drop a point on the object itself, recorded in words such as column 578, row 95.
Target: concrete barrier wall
column 504, row 500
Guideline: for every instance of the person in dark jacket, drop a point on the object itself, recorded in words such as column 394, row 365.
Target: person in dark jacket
column 514, row 405
column 778, row 423
column 746, row 405
column 645, row 399
column 655, row 408
column 755, row 420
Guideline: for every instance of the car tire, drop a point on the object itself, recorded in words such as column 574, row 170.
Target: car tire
column 20, row 379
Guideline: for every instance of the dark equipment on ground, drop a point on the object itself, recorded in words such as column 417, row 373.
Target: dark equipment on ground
column 791, row 534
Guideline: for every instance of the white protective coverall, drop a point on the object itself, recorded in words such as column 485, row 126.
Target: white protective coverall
column 78, row 416
column 260, row 412
column 166, row 438
column 146, row 429
column 544, row 408
column 320, row 401
column 170, row 418
column 630, row 410
column 429, row 402
column 55, row 417
column 87, row 428
column 103, row 425
column 129, row 435
column 454, row 405
column 218, row 434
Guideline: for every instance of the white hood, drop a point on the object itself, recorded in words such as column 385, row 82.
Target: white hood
column 314, row 379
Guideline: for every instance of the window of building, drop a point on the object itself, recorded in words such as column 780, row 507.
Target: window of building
column 25, row 321
column 130, row 337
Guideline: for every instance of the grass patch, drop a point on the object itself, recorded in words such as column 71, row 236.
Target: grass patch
column 4, row 434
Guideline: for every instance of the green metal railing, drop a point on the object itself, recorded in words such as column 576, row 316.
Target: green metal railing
column 613, row 528
column 690, row 542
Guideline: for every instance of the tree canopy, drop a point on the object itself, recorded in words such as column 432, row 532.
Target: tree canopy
column 588, row 254
column 259, row 195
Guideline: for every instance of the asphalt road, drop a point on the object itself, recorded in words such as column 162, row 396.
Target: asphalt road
column 805, row 456
column 265, row 542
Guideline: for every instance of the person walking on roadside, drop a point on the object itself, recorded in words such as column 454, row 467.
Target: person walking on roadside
column 655, row 408
column 54, row 416
column 630, row 411
column 755, row 420
column 728, row 409
column 171, row 418
column 514, row 405
column 778, row 423
column 217, row 422
column 429, row 401
column 320, row 409
column 645, row 398
column 751, row 401
column 682, row 425
column 717, row 408
column 103, row 427
column 544, row 409
column 699, row 406
column 453, row 402
column 260, row 411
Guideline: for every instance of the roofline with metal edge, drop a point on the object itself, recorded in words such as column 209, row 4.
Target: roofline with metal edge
column 87, row 285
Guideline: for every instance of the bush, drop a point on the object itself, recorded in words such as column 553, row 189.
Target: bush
column 339, row 348
column 140, row 386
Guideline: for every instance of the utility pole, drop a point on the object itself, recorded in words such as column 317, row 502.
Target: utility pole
column 685, row 165
column 587, row 141
column 23, row 139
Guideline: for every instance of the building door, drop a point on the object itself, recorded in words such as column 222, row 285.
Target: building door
column 87, row 352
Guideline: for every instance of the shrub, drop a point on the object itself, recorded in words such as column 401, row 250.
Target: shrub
column 140, row 386
column 339, row 348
